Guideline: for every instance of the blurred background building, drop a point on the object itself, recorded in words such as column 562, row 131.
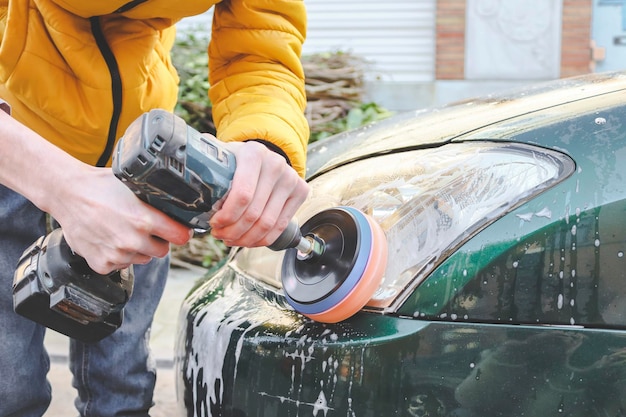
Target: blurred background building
column 429, row 52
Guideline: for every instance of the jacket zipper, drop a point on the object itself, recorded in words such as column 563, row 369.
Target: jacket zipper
column 130, row 5
column 116, row 88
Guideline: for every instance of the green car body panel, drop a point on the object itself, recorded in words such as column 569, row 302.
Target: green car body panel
column 526, row 317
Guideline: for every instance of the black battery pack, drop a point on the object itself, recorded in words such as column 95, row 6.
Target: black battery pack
column 56, row 288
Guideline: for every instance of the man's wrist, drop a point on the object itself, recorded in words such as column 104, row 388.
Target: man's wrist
column 273, row 148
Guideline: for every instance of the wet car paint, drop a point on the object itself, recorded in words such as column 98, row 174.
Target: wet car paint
column 576, row 227
column 498, row 114
column 480, row 336
column 267, row 362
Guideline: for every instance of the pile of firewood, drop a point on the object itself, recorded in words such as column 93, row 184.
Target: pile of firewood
column 201, row 251
column 334, row 85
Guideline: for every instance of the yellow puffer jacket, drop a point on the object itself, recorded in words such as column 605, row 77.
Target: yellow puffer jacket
column 78, row 72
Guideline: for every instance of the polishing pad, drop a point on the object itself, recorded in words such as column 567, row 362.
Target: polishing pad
column 336, row 284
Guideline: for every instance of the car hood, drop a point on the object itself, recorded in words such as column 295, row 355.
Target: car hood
column 457, row 121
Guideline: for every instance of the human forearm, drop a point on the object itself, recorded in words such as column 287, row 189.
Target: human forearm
column 24, row 160
column 102, row 219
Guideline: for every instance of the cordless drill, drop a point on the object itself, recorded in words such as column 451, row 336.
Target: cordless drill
column 170, row 166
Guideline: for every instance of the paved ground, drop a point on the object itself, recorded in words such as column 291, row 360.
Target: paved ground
column 162, row 343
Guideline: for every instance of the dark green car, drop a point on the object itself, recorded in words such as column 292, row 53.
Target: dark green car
column 505, row 289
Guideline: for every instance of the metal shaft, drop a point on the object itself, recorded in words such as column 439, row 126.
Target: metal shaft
column 291, row 237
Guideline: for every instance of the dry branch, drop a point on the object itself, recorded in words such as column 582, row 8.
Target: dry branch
column 334, row 85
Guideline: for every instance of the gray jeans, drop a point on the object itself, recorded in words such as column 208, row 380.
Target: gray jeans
column 113, row 377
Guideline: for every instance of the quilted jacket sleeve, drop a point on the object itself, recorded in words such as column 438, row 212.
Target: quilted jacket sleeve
column 256, row 76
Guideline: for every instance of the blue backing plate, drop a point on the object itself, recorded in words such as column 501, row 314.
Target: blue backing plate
column 363, row 250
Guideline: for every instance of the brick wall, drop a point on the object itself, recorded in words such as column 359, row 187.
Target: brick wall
column 576, row 37
column 450, row 38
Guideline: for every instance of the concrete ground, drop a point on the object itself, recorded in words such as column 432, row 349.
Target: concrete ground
column 162, row 342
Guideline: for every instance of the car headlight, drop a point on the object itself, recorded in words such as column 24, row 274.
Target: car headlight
column 428, row 202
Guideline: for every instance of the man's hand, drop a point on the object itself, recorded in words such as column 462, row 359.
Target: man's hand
column 265, row 194
column 105, row 223
column 102, row 220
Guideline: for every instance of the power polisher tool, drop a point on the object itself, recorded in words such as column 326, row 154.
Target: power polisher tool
column 331, row 268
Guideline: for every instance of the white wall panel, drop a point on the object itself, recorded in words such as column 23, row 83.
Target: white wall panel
column 395, row 36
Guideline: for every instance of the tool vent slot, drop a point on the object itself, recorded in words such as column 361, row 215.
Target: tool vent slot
column 176, row 166
column 157, row 145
